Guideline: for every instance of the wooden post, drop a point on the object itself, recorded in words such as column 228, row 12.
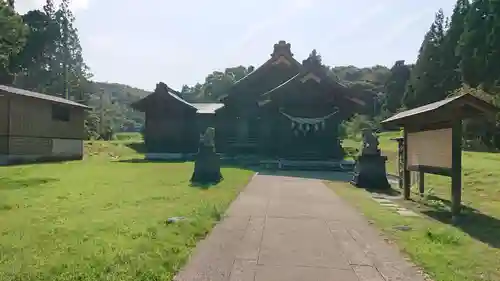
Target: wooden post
column 406, row 173
column 421, row 183
column 456, row 169
column 400, row 164
column 9, row 123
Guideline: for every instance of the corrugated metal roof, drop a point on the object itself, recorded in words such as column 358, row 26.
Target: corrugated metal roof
column 26, row 93
column 207, row 108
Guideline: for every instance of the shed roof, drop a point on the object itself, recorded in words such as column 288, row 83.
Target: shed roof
column 161, row 91
column 455, row 102
column 207, row 108
column 54, row 99
column 165, row 91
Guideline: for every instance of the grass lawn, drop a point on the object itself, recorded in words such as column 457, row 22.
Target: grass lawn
column 467, row 251
column 103, row 219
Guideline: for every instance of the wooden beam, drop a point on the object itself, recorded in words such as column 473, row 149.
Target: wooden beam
column 440, row 171
column 456, row 178
column 406, row 173
column 421, row 183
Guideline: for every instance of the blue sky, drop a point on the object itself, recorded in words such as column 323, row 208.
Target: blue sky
column 140, row 43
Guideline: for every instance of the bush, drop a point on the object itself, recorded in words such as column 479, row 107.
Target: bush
column 353, row 127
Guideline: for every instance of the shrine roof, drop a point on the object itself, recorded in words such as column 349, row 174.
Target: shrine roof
column 441, row 108
column 313, row 70
column 282, row 54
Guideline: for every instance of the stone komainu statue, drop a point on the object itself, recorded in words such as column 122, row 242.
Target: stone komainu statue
column 207, row 164
column 370, row 172
column 208, row 139
column 370, row 143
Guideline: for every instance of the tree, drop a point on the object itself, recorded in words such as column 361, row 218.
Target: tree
column 315, row 56
column 32, row 63
column 215, row 85
column 71, row 74
column 425, row 85
column 452, row 79
column 12, row 39
column 492, row 56
column 49, row 8
column 395, row 86
column 473, row 43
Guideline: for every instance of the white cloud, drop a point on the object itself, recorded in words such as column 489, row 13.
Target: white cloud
column 26, row 5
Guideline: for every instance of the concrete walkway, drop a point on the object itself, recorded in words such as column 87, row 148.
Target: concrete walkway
column 283, row 229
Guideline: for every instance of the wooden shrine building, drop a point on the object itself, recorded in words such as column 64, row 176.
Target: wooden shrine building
column 283, row 109
column 173, row 125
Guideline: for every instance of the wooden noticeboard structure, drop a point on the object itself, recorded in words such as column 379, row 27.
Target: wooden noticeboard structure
column 432, row 140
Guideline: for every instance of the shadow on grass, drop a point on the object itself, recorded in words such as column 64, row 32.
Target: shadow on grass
column 478, row 225
column 9, row 184
column 203, row 185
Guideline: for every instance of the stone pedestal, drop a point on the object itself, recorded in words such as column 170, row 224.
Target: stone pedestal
column 206, row 166
column 370, row 172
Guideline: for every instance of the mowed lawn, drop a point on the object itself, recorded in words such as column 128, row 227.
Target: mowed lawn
column 105, row 218
column 469, row 250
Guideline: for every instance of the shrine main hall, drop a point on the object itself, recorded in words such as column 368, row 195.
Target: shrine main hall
column 284, row 109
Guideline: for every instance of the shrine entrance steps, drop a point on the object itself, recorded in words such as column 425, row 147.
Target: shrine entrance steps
column 310, row 165
column 290, row 164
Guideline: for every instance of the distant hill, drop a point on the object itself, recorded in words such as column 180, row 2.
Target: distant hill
column 116, row 101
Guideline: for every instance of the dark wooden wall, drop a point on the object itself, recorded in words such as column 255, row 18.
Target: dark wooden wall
column 170, row 129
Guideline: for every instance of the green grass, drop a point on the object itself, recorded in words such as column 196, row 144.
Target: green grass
column 469, row 250
column 104, row 218
column 132, row 136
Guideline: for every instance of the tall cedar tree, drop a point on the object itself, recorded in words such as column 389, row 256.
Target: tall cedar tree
column 425, row 85
column 70, row 52
column 452, row 79
column 473, row 43
column 492, row 60
column 395, row 86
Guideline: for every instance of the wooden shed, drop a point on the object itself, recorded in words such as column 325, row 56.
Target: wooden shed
column 173, row 125
column 38, row 127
